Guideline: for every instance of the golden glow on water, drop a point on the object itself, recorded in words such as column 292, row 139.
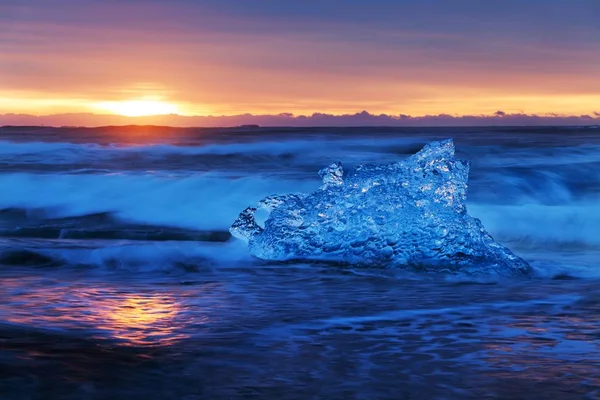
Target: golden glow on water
column 141, row 319
column 136, row 318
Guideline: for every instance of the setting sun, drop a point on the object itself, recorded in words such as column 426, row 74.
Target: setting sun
column 138, row 108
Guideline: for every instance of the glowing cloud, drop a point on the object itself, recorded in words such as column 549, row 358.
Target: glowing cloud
column 137, row 108
column 232, row 57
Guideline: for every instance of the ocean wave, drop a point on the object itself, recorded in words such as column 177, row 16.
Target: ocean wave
column 66, row 153
column 106, row 256
column 201, row 201
column 542, row 156
column 210, row 202
column 565, row 226
column 122, row 255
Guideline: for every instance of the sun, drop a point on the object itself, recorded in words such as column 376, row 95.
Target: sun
column 138, row 108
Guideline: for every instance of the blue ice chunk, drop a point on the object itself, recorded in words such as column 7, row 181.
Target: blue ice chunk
column 408, row 214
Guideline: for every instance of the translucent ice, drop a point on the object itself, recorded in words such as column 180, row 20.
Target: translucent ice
column 409, row 214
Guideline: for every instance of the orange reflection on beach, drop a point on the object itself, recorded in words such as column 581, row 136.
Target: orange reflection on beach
column 140, row 317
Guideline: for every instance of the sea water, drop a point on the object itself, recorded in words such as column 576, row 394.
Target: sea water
column 119, row 279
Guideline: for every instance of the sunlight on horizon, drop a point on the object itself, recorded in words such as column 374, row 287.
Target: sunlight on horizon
column 138, row 108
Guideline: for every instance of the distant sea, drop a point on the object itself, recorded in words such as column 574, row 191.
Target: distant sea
column 119, row 279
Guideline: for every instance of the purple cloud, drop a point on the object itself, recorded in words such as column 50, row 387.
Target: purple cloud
column 363, row 118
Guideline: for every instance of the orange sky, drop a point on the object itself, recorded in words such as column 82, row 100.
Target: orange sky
column 208, row 57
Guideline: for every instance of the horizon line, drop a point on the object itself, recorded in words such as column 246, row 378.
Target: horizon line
column 297, row 127
column 496, row 114
column 359, row 119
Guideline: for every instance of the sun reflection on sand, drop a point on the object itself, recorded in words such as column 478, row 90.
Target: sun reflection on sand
column 138, row 318
column 141, row 319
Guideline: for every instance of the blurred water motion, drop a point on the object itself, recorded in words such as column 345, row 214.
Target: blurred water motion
column 131, row 317
column 145, row 299
column 554, row 349
column 140, row 319
column 259, row 328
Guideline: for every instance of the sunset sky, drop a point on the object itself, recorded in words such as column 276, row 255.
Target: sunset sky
column 226, row 57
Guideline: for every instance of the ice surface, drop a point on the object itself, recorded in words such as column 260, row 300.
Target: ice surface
column 405, row 214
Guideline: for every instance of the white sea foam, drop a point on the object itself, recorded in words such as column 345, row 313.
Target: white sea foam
column 539, row 225
column 543, row 199
column 211, row 202
column 64, row 152
column 203, row 201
